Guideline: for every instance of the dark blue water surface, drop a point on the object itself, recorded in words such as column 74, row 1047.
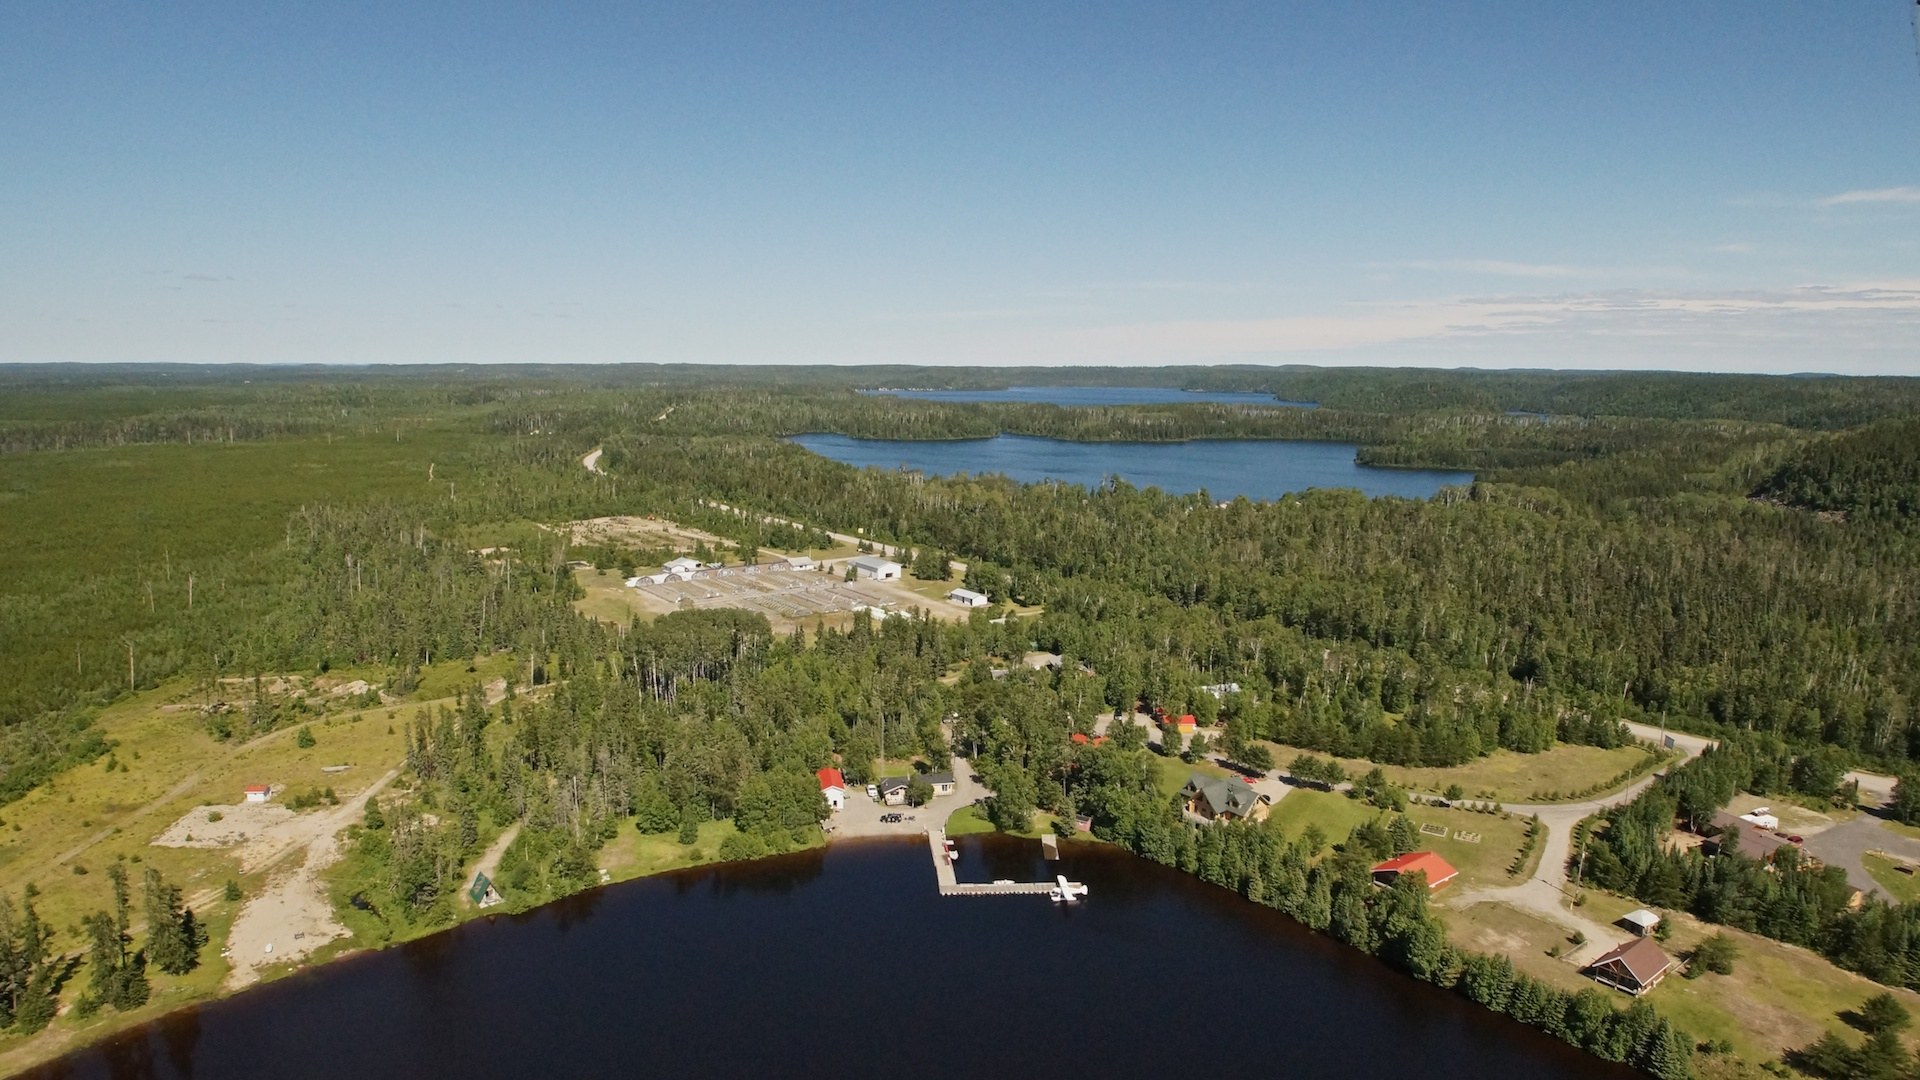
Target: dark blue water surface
column 847, row 961
column 1257, row 468
column 1099, row 395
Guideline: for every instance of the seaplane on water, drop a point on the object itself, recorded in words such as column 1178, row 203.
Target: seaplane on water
column 1066, row 892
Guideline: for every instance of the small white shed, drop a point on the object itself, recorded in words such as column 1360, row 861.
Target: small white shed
column 1640, row 921
column 968, row 598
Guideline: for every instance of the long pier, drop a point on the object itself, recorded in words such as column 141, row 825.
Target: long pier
column 951, row 885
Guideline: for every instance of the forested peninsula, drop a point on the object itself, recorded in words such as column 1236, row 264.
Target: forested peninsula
column 404, row 587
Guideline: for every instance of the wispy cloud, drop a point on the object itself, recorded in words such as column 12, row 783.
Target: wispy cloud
column 1628, row 327
column 1907, row 194
column 1497, row 267
column 983, row 314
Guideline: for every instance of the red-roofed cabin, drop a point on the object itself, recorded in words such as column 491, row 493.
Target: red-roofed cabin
column 258, row 792
column 1437, row 869
column 1185, row 722
column 1085, row 740
column 833, row 785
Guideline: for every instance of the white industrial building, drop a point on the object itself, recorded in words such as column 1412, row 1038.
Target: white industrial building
column 875, row 567
column 968, row 598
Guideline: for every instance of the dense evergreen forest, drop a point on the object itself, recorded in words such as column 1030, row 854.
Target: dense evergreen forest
column 1731, row 555
column 1604, row 564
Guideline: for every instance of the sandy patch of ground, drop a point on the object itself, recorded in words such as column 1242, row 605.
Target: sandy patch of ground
column 258, row 829
column 638, row 532
column 293, row 916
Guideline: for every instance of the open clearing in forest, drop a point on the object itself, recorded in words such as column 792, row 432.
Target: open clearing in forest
column 1503, row 776
column 640, row 532
column 169, row 774
column 786, row 597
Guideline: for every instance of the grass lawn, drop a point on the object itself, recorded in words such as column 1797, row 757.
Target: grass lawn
column 1503, row 776
column 968, row 820
column 632, row 854
column 1481, row 863
column 1903, row 888
column 1335, row 814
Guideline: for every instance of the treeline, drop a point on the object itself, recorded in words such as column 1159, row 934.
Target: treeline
column 1789, row 898
column 1334, row 893
column 1829, row 402
column 1718, row 614
column 696, row 717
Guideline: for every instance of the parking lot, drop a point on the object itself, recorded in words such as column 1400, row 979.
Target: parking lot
column 862, row 816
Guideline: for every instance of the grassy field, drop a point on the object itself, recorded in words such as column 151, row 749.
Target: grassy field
column 631, row 854
column 1778, row 998
column 1503, row 776
column 88, row 817
column 608, row 598
column 1903, row 888
column 1481, row 861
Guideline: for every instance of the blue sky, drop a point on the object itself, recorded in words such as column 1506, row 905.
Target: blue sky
column 1493, row 184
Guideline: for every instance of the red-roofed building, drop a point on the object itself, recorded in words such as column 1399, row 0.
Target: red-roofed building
column 1085, row 740
column 258, row 792
column 833, row 785
column 1437, row 869
column 1185, row 722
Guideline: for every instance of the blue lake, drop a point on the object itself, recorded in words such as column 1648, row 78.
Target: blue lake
column 1098, row 395
column 847, row 960
column 1260, row 469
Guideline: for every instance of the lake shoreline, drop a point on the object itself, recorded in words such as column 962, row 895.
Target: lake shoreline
column 1225, row 467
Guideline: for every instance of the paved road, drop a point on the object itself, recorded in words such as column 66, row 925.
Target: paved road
column 1843, row 845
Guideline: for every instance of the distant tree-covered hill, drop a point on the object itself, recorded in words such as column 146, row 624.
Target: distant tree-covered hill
column 1871, row 472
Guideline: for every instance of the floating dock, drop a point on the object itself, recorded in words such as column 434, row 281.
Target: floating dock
column 952, row 886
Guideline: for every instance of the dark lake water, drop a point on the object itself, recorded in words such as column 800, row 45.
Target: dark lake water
column 1260, row 469
column 847, row 960
column 1099, row 395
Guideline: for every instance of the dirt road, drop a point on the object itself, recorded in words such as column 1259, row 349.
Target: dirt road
column 294, row 915
column 1546, row 893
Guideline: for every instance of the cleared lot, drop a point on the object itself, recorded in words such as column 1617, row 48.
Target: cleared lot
column 786, row 597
